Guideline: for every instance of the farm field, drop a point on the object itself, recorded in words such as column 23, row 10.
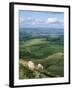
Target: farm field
column 45, row 53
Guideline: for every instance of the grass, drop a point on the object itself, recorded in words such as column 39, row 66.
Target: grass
column 26, row 73
column 38, row 49
column 48, row 53
column 34, row 42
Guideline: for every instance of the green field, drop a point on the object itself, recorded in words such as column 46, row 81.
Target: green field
column 49, row 52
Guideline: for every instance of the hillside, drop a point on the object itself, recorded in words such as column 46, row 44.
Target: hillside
column 49, row 52
column 37, row 72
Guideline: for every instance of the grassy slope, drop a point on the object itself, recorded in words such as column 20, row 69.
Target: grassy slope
column 26, row 73
column 54, row 63
column 38, row 48
column 48, row 54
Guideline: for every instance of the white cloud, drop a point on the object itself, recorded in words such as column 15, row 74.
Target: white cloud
column 54, row 21
column 31, row 21
column 40, row 21
column 26, row 20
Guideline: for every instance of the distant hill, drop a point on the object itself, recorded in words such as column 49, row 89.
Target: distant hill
column 27, row 33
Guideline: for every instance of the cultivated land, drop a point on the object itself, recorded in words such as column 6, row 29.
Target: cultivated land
column 47, row 51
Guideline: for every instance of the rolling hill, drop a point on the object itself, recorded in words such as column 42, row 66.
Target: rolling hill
column 47, row 52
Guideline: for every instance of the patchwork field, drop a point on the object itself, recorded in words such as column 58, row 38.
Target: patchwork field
column 41, row 57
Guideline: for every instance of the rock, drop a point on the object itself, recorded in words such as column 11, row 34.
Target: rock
column 40, row 66
column 31, row 65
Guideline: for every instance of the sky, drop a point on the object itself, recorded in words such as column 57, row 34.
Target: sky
column 35, row 19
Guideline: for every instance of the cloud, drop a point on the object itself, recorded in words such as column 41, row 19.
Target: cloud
column 26, row 20
column 39, row 21
column 54, row 21
column 31, row 21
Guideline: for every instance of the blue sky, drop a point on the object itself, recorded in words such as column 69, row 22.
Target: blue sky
column 41, row 19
